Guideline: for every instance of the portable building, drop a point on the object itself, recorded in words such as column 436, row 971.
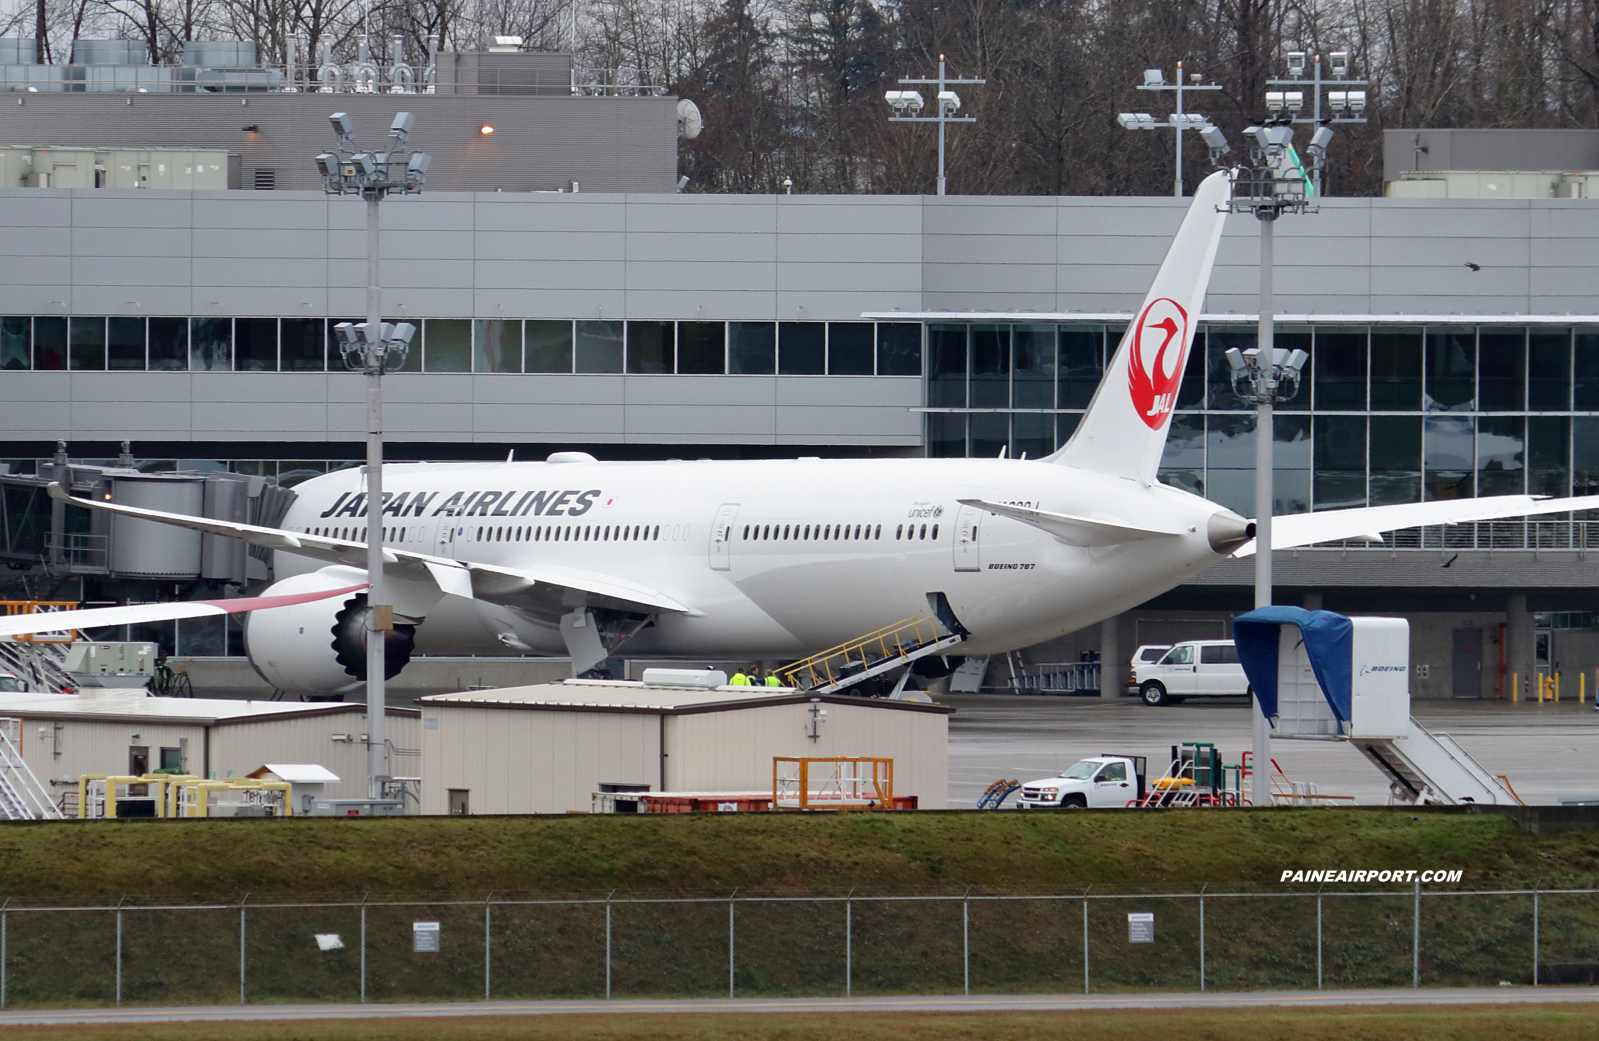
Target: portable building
column 64, row 736
column 548, row 748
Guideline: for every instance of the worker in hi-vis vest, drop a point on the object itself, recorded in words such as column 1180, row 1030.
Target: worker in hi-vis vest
column 739, row 679
column 773, row 681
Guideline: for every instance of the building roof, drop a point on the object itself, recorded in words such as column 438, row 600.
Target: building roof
column 298, row 773
column 193, row 711
column 630, row 696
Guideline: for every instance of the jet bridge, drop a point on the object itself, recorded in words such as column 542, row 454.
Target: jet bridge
column 1321, row 676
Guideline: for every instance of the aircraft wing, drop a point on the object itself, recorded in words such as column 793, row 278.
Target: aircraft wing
column 493, row 582
column 1368, row 524
column 1075, row 531
column 94, row 617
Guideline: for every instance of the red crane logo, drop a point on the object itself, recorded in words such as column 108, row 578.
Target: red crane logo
column 1155, row 362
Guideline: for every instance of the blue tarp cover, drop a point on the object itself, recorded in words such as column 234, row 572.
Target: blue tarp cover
column 1329, row 644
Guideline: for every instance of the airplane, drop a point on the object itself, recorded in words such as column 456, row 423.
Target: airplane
column 772, row 560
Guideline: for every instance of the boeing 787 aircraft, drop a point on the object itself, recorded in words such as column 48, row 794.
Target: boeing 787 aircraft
column 773, row 559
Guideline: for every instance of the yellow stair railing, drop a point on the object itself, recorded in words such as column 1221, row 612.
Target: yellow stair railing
column 860, row 654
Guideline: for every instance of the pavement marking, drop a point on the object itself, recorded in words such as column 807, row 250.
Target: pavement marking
column 949, row 1003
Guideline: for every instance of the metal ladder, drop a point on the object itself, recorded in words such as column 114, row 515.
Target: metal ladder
column 22, row 797
column 871, row 655
column 40, row 665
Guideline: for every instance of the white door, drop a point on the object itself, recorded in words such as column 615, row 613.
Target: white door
column 966, row 545
column 1112, row 787
column 722, row 535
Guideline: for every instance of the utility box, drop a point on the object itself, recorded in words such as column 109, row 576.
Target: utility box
column 121, row 665
column 357, row 808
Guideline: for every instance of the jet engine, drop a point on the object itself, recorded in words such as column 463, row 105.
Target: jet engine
column 320, row 647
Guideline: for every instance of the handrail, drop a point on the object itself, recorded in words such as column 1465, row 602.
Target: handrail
column 19, row 607
column 824, row 668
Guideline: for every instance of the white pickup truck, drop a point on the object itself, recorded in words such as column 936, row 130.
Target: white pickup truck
column 1103, row 782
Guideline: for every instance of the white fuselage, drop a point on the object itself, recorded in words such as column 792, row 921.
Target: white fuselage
column 820, row 551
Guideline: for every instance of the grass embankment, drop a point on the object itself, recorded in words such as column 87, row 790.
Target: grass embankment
column 1565, row 1023
column 824, row 854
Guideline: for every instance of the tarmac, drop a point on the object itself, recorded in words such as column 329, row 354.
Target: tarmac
column 751, row 1006
column 1547, row 750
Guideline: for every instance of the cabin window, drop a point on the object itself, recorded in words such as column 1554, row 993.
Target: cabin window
column 898, row 532
column 935, row 533
column 924, row 531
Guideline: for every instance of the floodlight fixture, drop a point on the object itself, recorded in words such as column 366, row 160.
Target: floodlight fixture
column 1319, row 142
column 1154, row 78
column 1296, row 63
column 400, row 129
column 1294, row 100
column 1357, row 101
column 949, row 101
column 1215, row 140
column 1296, row 361
column 1274, row 101
column 1235, row 360
column 418, row 164
column 343, row 129
column 1136, row 121
column 1338, row 100
column 1340, row 63
column 328, row 164
column 1279, row 135
column 366, row 165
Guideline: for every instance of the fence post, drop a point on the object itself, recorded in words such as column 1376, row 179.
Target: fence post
column 849, row 947
column 730, row 946
column 488, row 969
column 2, row 959
column 1085, row 945
column 363, row 953
column 1201, row 942
column 1318, row 941
column 1415, row 939
column 966, row 946
column 607, row 949
column 241, row 954
column 119, row 959
column 1534, row 937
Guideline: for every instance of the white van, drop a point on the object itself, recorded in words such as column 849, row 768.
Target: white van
column 1196, row 668
column 1147, row 654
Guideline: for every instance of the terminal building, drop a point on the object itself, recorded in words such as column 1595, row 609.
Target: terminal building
column 1454, row 345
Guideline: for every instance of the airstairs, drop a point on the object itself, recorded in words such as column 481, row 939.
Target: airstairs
column 1323, row 677
column 889, row 648
column 1423, row 767
column 22, row 797
column 39, row 659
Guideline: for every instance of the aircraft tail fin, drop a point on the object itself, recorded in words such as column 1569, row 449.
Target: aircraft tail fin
column 1124, row 431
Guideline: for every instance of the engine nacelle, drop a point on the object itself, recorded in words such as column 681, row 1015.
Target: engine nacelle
column 319, row 647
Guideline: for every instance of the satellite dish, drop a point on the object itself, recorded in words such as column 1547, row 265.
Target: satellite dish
column 689, row 123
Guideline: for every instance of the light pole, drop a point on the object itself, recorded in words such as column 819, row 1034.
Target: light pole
column 1345, row 105
column 373, row 348
column 1275, row 182
column 949, row 103
column 1155, row 79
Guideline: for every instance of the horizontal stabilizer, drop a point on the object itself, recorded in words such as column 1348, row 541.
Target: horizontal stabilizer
column 139, row 614
column 1075, row 531
column 1368, row 523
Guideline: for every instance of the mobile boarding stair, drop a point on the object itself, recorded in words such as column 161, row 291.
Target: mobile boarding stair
column 865, row 657
column 22, row 797
column 1320, row 676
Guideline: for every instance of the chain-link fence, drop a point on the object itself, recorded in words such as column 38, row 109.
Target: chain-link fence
column 793, row 946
